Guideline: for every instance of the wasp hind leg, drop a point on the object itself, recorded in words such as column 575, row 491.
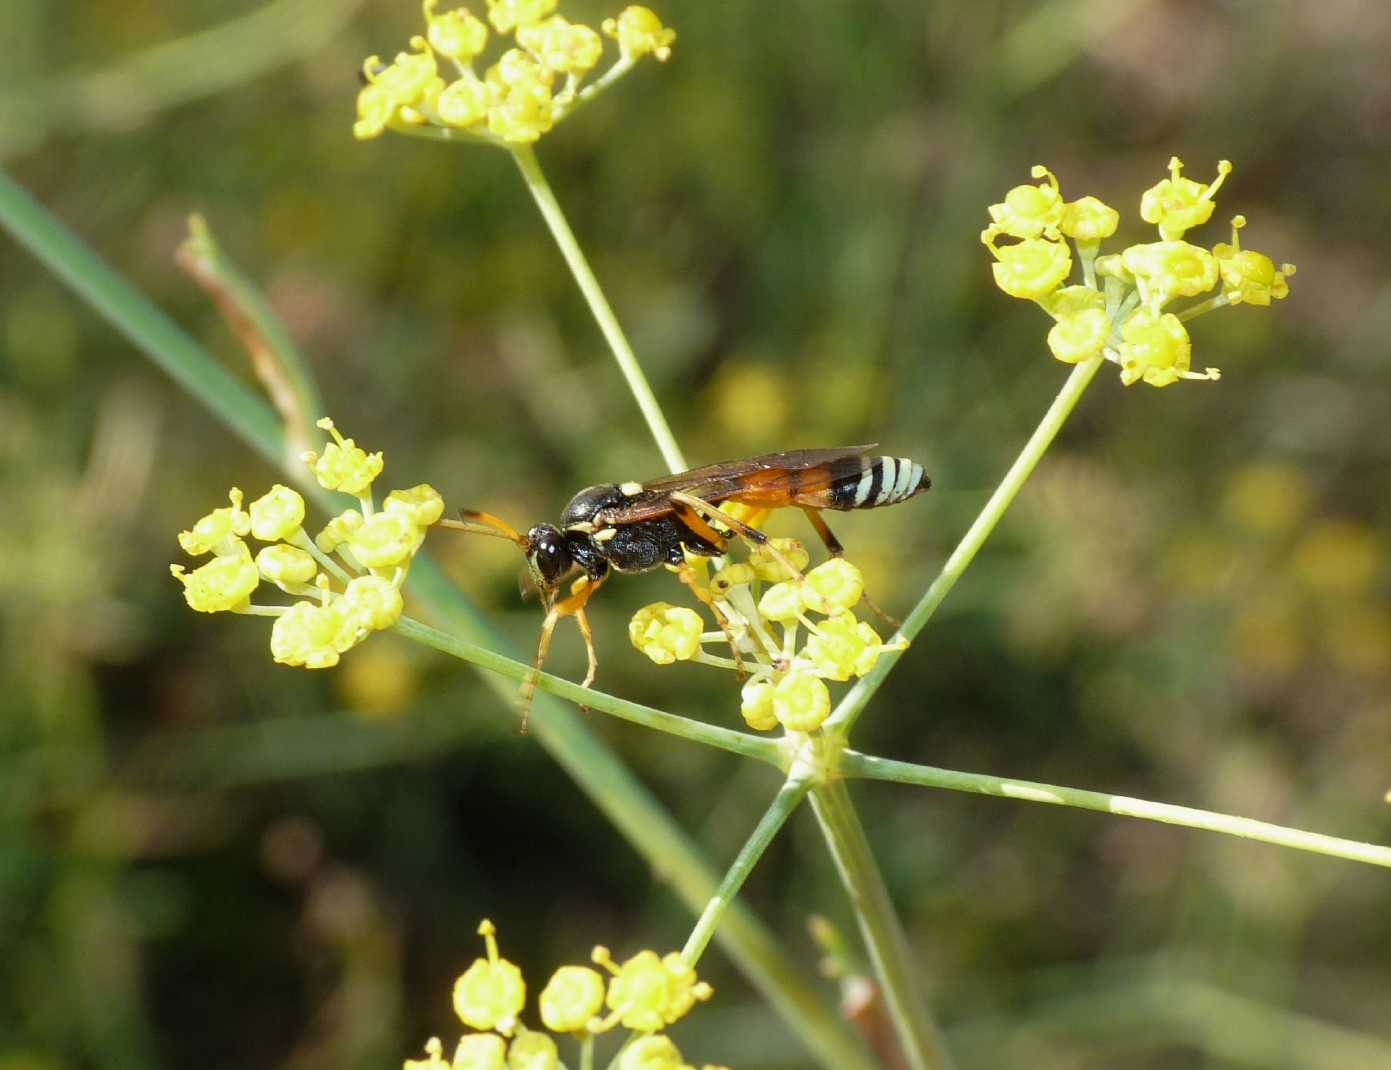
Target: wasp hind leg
column 749, row 534
column 835, row 549
column 572, row 605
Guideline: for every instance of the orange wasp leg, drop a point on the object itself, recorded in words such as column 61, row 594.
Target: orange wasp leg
column 835, row 549
column 749, row 534
column 572, row 605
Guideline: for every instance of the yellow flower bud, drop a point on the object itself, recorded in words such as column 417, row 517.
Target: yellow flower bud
column 801, row 701
column 456, row 34
column 835, row 648
column 1088, row 219
column 1171, row 268
column 375, row 109
column 666, row 633
column 282, row 564
column 385, row 539
column 523, row 113
column 638, row 32
column 1030, row 269
column 561, row 45
column 1030, row 211
column 1178, row 204
column 756, row 705
column 648, row 992
column 277, row 514
column 781, row 602
column 421, row 504
column 770, row 570
column 371, row 603
column 572, row 996
column 224, row 583
column 1082, row 326
column 532, row 1051
column 1156, row 348
column 338, row 530
column 407, row 77
column 833, row 587
column 343, row 465
column 219, row 531
column 310, row 635
column 507, row 15
column 464, row 102
column 737, row 574
column 434, row 1059
column 1249, row 277
column 480, row 1051
column 490, row 993
column 652, row 1053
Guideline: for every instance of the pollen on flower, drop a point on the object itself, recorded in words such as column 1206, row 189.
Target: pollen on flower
column 666, row 633
column 1249, row 277
column 573, row 996
column 1177, row 204
column 1031, row 211
column 639, row 32
column 490, row 993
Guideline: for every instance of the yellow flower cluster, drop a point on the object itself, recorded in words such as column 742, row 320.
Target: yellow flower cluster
column 530, row 86
column 646, row 993
column 348, row 576
column 1124, row 318
column 764, row 612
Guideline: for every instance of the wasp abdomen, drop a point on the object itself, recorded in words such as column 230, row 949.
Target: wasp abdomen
column 875, row 481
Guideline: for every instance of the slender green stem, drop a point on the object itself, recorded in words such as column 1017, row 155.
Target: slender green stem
column 598, row 305
column 788, row 798
column 855, row 700
column 750, row 746
column 1219, row 301
column 922, row 1043
column 587, row 1052
column 854, row 764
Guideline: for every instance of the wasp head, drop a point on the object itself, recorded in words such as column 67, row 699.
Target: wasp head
column 547, row 556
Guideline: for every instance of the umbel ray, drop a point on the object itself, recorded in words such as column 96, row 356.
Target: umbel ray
column 634, row 527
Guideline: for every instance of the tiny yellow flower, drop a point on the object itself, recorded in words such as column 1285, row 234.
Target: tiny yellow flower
column 375, row 110
column 532, row 1051
column 434, row 1058
column 338, row 530
column 277, row 514
column 480, row 1051
column 343, row 465
column 1082, row 326
column 666, row 633
column 1155, row 347
column 772, row 571
column 801, row 701
column 1249, row 277
column 371, row 602
column 1088, row 219
column 507, row 15
column 385, row 539
column 572, row 996
column 464, row 102
column 735, row 574
column 422, row 504
column 282, row 564
column 1177, row 204
column 648, row 992
column 219, row 531
column 224, row 583
column 839, row 647
column 833, row 587
column 1030, row 269
column 310, row 635
column 523, row 113
column 491, row 992
column 652, row 1053
column 756, row 705
column 781, row 602
column 561, row 45
column 456, row 34
column 516, row 67
column 638, row 32
column 407, row 77
column 1171, row 269
column 1031, row 211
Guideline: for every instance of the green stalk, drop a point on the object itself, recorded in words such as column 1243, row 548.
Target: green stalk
column 854, row 764
column 598, row 305
column 855, row 700
column 788, row 798
column 742, row 743
column 918, row 1035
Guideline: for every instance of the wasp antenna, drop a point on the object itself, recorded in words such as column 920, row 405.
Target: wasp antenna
column 479, row 523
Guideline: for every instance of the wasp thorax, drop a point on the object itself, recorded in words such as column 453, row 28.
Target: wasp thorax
column 548, row 554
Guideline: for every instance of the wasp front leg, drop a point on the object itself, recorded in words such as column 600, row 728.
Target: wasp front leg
column 572, row 605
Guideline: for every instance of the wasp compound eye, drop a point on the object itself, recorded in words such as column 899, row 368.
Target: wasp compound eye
column 550, row 554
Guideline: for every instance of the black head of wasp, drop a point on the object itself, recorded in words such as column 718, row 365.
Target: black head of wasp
column 633, row 527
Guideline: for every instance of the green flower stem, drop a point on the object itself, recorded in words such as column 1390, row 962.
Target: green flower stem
column 750, row 746
column 598, row 305
column 788, row 798
column 1217, row 301
column 855, row 700
column 922, row 1043
column 854, row 764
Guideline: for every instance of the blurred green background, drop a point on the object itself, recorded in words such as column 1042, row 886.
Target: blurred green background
column 208, row 859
